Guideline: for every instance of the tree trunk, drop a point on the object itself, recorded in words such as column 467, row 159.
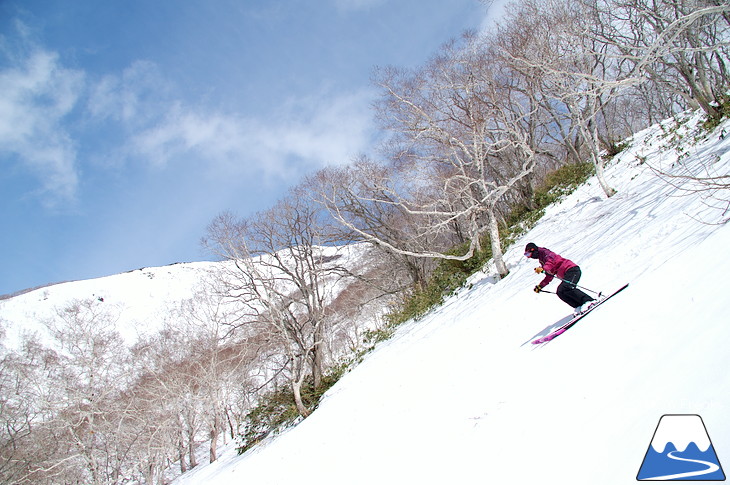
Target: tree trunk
column 297, row 389
column 496, row 244
column 607, row 189
column 191, row 449
column 318, row 354
column 181, row 451
column 592, row 137
column 214, row 431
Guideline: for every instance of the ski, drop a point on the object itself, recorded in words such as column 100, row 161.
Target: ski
column 573, row 321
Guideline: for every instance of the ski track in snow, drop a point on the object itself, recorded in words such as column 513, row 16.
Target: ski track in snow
column 711, row 468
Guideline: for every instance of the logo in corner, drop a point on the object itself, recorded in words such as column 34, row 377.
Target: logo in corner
column 681, row 450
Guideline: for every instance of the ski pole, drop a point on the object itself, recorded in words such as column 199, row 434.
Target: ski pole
column 571, row 283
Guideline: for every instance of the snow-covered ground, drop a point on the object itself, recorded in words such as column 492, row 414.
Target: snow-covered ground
column 462, row 396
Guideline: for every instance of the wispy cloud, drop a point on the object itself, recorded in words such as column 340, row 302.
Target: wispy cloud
column 49, row 112
column 134, row 97
column 37, row 94
column 304, row 134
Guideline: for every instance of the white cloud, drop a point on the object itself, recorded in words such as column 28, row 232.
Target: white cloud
column 36, row 97
column 303, row 135
column 152, row 126
column 321, row 130
column 134, row 97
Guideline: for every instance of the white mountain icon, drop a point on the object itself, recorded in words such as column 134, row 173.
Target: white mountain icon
column 681, row 450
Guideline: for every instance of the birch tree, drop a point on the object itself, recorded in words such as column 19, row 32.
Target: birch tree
column 680, row 46
column 89, row 372
column 167, row 404
column 218, row 360
column 363, row 198
column 578, row 77
column 285, row 276
column 464, row 146
column 24, row 452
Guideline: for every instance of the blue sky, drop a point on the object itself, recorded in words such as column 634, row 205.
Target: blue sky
column 127, row 126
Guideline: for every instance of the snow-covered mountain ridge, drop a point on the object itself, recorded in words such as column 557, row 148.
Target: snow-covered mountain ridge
column 141, row 298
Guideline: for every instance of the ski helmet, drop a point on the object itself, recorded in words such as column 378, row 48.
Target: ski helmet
column 531, row 251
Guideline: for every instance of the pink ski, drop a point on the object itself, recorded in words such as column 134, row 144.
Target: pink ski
column 560, row 330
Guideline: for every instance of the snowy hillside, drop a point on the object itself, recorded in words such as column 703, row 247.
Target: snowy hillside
column 462, row 396
column 142, row 298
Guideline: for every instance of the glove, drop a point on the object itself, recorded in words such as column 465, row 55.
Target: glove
column 539, row 270
column 538, row 288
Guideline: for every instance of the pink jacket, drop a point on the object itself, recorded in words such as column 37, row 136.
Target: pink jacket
column 554, row 264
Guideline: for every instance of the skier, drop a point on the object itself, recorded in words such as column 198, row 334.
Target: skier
column 555, row 265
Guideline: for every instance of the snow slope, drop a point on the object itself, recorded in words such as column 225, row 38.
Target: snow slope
column 463, row 397
column 142, row 299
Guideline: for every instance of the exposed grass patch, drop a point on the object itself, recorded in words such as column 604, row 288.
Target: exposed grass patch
column 277, row 410
column 723, row 113
column 562, row 182
column 449, row 276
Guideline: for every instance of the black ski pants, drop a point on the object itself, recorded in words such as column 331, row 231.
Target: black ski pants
column 567, row 290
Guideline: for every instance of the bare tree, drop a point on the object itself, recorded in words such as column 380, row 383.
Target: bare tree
column 463, row 148
column 578, row 77
column 360, row 196
column 22, row 389
column 680, row 46
column 71, row 401
column 286, row 267
column 218, row 360
column 169, row 398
